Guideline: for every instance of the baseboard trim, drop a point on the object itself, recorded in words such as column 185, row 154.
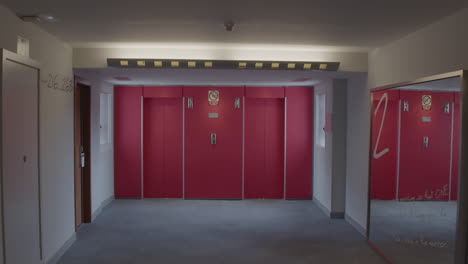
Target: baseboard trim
column 356, row 225
column 321, row 206
column 101, row 207
column 58, row 255
column 331, row 214
column 337, row 215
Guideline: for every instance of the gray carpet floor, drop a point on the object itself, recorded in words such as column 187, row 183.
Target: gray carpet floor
column 417, row 232
column 215, row 232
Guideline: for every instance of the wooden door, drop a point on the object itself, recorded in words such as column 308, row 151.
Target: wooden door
column 82, row 154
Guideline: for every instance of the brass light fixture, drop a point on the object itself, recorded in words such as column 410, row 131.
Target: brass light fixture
column 192, row 64
column 223, row 64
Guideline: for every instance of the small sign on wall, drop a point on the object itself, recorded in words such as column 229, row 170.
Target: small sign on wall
column 213, row 97
column 213, row 115
column 427, row 119
column 328, row 123
column 427, row 102
column 22, row 47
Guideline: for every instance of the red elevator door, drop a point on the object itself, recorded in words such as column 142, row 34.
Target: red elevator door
column 264, row 148
column 127, row 137
column 425, row 146
column 213, row 142
column 162, row 147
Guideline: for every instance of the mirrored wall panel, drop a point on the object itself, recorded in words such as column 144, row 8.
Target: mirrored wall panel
column 415, row 170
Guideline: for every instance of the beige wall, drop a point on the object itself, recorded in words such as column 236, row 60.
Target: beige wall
column 438, row 48
column 56, row 127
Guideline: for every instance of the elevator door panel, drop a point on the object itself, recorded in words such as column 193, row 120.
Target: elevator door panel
column 385, row 144
column 162, row 147
column 213, row 143
column 299, row 142
column 425, row 147
column 127, row 131
column 456, row 147
column 264, row 148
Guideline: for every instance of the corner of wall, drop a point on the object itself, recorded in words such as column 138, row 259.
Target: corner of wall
column 339, row 126
column 357, row 152
column 356, row 225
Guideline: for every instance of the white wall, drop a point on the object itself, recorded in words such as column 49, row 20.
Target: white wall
column 102, row 155
column 97, row 57
column 357, row 155
column 56, row 127
column 330, row 162
column 322, row 180
column 438, row 48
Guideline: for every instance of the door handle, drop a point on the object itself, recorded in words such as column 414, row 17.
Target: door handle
column 213, row 138
column 426, row 142
column 82, row 159
column 237, row 102
column 190, row 103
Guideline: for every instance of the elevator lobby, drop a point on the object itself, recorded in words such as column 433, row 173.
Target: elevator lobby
column 233, row 132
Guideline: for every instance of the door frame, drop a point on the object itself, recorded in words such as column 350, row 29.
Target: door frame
column 461, row 237
column 84, row 137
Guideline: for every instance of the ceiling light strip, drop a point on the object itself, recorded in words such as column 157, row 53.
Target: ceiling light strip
column 223, row 64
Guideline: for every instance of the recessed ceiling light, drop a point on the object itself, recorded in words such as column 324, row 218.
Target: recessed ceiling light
column 192, row 64
column 39, row 18
column 158, row 64
column 323, row 67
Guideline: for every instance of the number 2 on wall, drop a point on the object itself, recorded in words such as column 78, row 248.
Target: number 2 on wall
column 386, row 150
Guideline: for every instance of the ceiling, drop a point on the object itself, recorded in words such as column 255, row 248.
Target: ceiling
column 341, row 23
column 212, row 77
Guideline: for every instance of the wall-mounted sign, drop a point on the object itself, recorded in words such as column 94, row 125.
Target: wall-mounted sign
column 328, row 123
column 427, row 102
column 22, row 47
column 213, row 115
column 427, row 119
column 213, row 97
